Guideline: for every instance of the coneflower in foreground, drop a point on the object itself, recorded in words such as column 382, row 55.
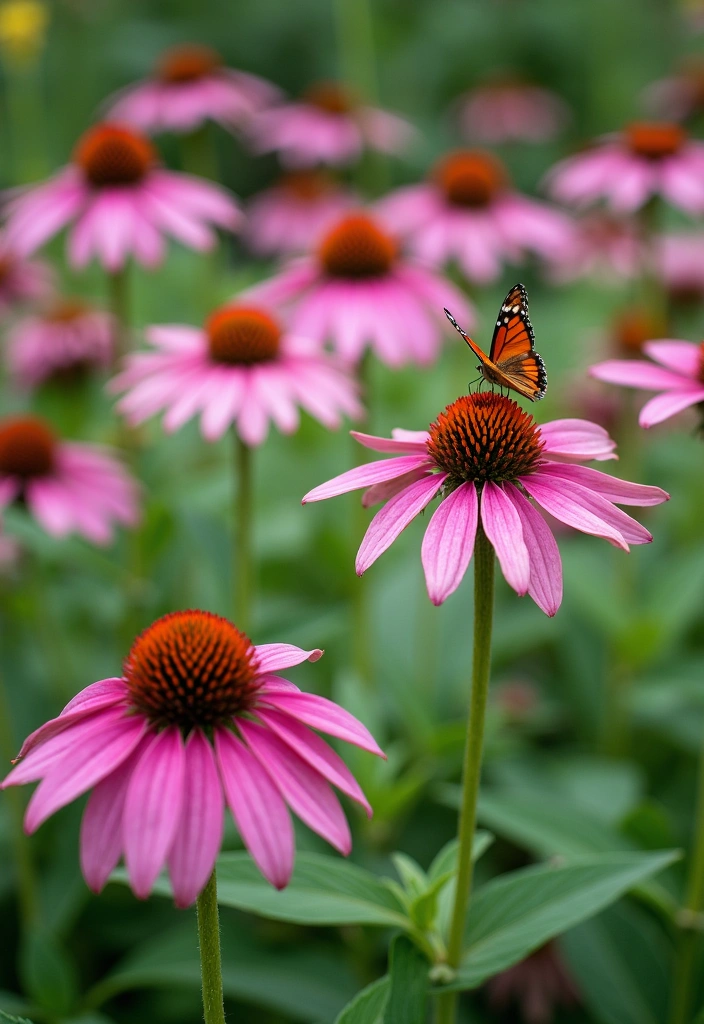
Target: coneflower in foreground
column 198, row 718
column 488, row 459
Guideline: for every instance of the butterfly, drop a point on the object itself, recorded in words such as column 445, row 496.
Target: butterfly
column 512, row 361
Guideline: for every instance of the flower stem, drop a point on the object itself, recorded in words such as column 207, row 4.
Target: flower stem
column 691, row 917
column 243, row 568
column 27, row 895
column 361, row 655
column 210, row 958
column 471, row 770
column 198, row 153
column 355, row 28
column 118, row 294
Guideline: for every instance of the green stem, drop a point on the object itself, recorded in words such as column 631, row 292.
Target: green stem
column 361, row 616
column 355, row 27
column 471, row 771
column 210, row 958
column 27, row 894
column 691, row 918
column 243, row 562
column 198, row 153
column 118, row 293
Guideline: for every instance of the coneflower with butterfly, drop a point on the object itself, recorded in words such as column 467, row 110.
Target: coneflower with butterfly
column 495, row 470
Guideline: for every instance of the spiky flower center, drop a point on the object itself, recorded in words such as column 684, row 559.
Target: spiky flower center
column 65, row 311
column 308, row 185
column 469, row 177
column 655, row 140
column 27, row 447
column 190, row 669
column 632, row 328
column 330, row 97
column 701, row 362
column 357, row 248
column 485, row 436
column 187, row 63
column 242, row 335
column 109, row 154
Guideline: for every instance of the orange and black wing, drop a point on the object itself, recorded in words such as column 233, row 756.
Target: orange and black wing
column 513, row 347
column 472, row 344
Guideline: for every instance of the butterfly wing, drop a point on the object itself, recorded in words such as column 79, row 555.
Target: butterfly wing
column 513, row 348
column 472, row 344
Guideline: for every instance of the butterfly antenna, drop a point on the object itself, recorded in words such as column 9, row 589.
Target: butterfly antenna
column 452, row 320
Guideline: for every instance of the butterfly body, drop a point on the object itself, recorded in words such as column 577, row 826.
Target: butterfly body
column 512, row 361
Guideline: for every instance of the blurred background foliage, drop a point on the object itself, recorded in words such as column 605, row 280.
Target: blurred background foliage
column 596, row 717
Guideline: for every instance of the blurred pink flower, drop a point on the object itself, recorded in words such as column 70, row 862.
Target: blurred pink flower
column 679, row 376
column 120, row 202
column 329, row 126
column 67, row 487
column 22, row 280
column 291, row 216
column 358, row 291
column 67, row 339
column 681, row 265
column 539, row 986
column 189, row 87
column 627, row 168
column 199, row 718
column 490, row 482
column 680, row 96
column 602, row 246
column 467, row 212
column 241, row 367
column 511, row 110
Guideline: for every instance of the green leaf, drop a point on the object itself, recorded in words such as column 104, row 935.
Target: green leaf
column 415, row 880
column 559, row 827
column 323, row 891
column 513, row 915
column 47, row 973
column 368, row 1006
column 446, row 859
column 620, row 961
column 5, row 1018
column 424, row 909
column 408, row 993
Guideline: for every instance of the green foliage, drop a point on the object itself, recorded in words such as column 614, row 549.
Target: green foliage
column 512, row 915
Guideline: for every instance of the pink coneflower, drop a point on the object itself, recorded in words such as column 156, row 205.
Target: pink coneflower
column 190, row 86
column 121, row 203
column 538, row 986
column 488, row 458
column 680, row 262
column 67, row 487
column 468, row 213
column 511, row 110
column 359, row 291
column 602, row 246
column 199, row 718
column 679, row 375
column 68, row 339
column 241, row 367
column 22, row 280
column 328, row 125
column 291, row 216
column 627, row 168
